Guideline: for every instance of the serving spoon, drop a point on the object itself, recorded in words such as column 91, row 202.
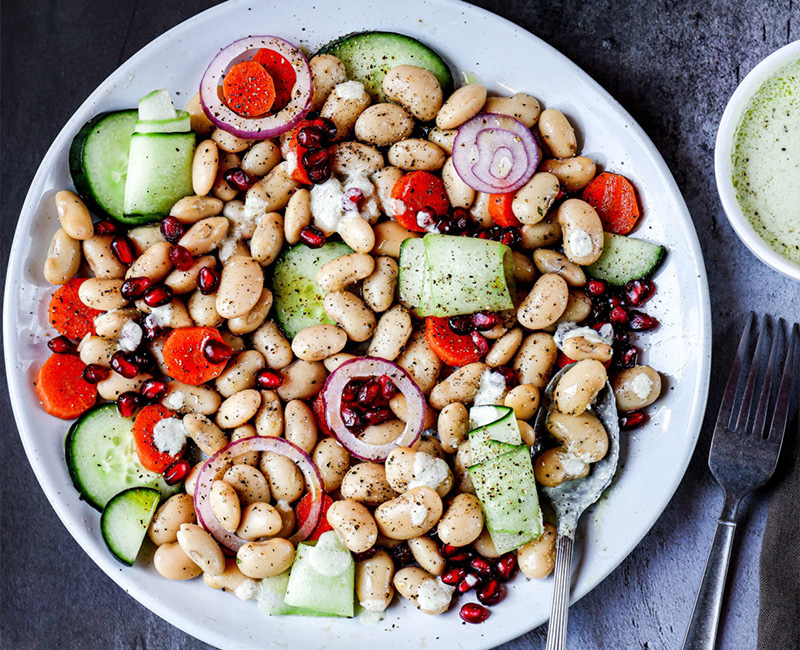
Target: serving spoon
column 570, row 500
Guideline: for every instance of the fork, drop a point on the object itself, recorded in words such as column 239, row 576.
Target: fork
column 744, row 452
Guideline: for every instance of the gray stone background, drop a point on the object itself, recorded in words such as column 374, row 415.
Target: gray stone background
column 672, row 64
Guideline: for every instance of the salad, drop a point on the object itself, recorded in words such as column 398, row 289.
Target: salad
column 304, row 325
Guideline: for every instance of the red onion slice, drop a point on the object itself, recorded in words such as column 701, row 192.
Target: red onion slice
column 225, row 456
column 495, row 153
column 373, row 367
column 256, row 128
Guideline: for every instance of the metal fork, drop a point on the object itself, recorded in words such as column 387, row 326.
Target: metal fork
column 744, row 452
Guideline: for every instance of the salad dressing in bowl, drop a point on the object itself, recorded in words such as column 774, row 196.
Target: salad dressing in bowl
column 766, row 161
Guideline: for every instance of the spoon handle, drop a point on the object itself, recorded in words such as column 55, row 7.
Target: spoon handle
column 559, row 609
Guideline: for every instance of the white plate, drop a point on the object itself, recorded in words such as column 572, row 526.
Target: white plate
column 508, row 59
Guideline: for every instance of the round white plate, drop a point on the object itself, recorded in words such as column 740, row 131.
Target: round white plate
column 508, row 59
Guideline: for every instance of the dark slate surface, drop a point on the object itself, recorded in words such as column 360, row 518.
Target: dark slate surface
column 672, row 64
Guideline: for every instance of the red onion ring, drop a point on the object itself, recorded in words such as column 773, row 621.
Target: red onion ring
column 225, row 455
column 257, row 128
column 494, row 153
column 373, row 367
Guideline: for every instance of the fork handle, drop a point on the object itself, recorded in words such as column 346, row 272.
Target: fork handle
column 559, row 609
column 702, row 632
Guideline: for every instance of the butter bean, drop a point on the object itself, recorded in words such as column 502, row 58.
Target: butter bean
column 373, row 581
column 351, row 314
column 461, row 386
column 265, row 559
column 177, row 510
column 355, row 158
column 579, row 386
column 249, row 485
column 273, row 345
column 201, row 548
column 416, row 155
column 297, row 216
column 409, row 515
column 558, row 134
column 523, row 107
column 537, row 559
column 302, row 380
column 379, row 287
column 464, row 104
column 354, row 523
column 191, row 209
column 637, row 387
column 535, row 358
column 367, row 484
column 267, row 240
column 391, row 334
column 462, row 522
column 327, row 72
column 300, row 426
column 63, row 258
column 416, row 89
column 204, row 167
column 389, row 236
column 104, row 295
column 384, row 124
column 101, row 258
column 534, row 199
column 238, row 409
column 206, row 435
column 205, row 235
column 545, row 303
column 574, row 173
column 345, row 103
column 74, row 215
column 240, row 287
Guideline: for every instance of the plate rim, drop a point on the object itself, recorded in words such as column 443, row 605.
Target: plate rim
column 498, row 636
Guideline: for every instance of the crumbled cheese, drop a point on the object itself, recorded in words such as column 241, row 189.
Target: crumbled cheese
column 568, row 330
column 572, row 465
column 373, row 604
column 130, row 336
column 641, row 385
column 246, row 590
column 159, row 316
column 349, row 90
column 169, row 436
column 330, row 556
column 175, row 400
column 230, row 243
column 419, row 513
column 429, row 471
column 369, row 208
column 434, row 595
column 326, row 204
column 580, row 242
column 491, row 389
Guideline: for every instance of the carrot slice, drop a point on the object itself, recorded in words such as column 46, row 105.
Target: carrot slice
column 149, row 455
column 184, row 358
column 299, row 172
column 615, row 200
column 61, row 388
column 248, row 89
column 302, row 509
column 416, row 191
column 68, row 314
column 454, row 349
column 500, row 210
column 282, row 73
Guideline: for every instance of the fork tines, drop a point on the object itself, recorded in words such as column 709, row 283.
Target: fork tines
column 762, row 361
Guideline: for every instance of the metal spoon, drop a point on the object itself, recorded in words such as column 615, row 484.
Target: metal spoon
column 571, row 498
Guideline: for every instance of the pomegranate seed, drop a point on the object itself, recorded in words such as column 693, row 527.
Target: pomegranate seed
column 172, row 229
column 492, row 592
column 388, row 388
column 94, row 373
column 482, row 567
column 176, row 472
column 61, row 345
column 327, row 126
column 158, row 296
column 123, row 363
column 469, row 581
column 312, row 237
column 630, row 357
column 238, row 179
column 208, row 281
column 619, row 316
column 596, row 287
column 352, row 199
column 401, row 555
column 269, row 379
column 641, row 322
column 369, row 393
column 144, row 360
column 350, row 392
column 181, row 257
column 632, row 420
column 320, row 175
column 127, row 403
column 123, row 249
column 457, row 553
column 105, row 228
column 485, row 320
column 216, row 351
column 461, row 325
column 134, row 288
column 351, row 418
column 480, row 343
column 378, row 416
column 639, row 292
column 473, row 613
column 153, row 389
column 509, row 374
column 511, row 236
column 365, row 555
column 453, row 576
column 614, row 301
column 506, row 566
column 309, row 137
column 426, row 218
column 151, row 330
column 316, row 158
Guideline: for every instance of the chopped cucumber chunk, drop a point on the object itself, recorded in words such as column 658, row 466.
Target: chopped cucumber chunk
column 625, row 259
column 125, row 521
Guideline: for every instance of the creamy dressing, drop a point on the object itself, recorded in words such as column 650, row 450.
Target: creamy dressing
column 328, row 201
column 641, row 385
column 169, row 436
column 766, row 161
column 491, row 389
column 418, row 513
column 580, row 242
column 130, row 336
column 434, row 595
column 569, row 330
column 428, row 471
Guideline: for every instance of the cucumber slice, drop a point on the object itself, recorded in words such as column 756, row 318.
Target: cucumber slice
column 465, row 275
column 506, row 488
column 495, row 432
column 159, row 173
column 368, row 56
column 625, row 259
column 157, row 105
column 125, row 521
column 180, row 124
column 309, row 588
column 101, row 457
column 411, row 277
column 98, row 162
column 271, row 594
column 505, row 542
column 298, row 298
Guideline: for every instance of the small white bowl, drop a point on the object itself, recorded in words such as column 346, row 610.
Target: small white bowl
column 723, row 159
